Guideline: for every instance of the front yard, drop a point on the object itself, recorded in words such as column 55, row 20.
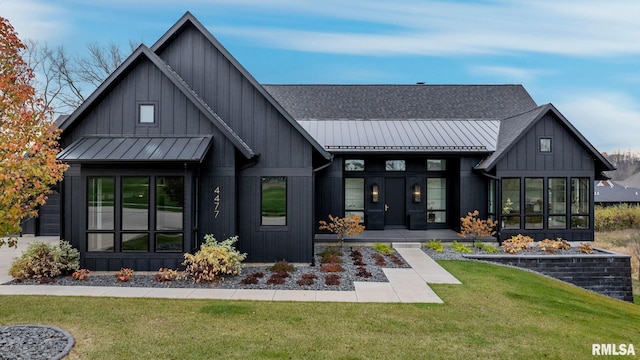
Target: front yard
column 497, row 313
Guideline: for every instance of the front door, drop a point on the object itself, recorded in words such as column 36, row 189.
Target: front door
column 394, row 199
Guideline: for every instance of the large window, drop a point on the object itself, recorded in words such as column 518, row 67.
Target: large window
column 274, row 201
column 101, row 214
column 436, row 200
column 169, row 213
column 557, row 190
column 561, row 207
column 142, row 225
column 135, row 213
column 511, row 203
column 580, row 203
column 533, row 196
column 354, row 197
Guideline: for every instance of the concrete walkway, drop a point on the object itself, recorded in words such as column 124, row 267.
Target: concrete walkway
column 406, row 285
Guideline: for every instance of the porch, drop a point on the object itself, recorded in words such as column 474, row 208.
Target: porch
column 400, row 235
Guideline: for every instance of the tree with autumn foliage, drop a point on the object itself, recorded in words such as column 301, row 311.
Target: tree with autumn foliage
column 473, row 227
column 347, row 226
column 28, row 140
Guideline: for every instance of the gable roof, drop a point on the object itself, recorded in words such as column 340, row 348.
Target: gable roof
column 512, row 129
column 189, row 20
column 143, row 52
column 355, row 102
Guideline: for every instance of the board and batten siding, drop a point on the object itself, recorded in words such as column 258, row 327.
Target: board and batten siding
column 568, row 158
column 282, row 149
column 567, row 154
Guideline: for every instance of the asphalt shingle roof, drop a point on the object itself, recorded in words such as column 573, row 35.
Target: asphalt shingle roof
column 356, row 102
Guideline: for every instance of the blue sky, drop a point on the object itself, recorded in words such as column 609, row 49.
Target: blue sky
column 581, row 55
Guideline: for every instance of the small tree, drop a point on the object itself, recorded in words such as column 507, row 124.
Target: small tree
column 471, row 226
column 28, row 140
column 342, row 226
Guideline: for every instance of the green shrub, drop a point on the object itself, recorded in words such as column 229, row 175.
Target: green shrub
column 435, row 245
column 214, row 260
column 490, row 249
column 619, row 217
column 461, row 248
column 330, row 250
column 41, row 260
column 282, row 266
column 383, row 248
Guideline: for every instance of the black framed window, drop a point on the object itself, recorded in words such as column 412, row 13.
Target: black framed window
column 274, row 201
column 354, row 165
column 534, row 203
column 511, row 203
column 149, row 213
column 436, row 200
column 354, row 197
column 395, row 165
column 436, row 165
column 169, row 213
column 580, row 205
column 100, row 213
column 557, row 199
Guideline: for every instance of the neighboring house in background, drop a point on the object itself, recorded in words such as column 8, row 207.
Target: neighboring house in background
column 631, row 182
column 181, row 141
column 608, row 192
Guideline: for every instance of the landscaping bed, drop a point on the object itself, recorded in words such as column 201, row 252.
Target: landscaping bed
column 302, row 277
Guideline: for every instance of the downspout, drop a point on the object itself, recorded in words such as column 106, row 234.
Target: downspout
column 498, row 202
column 313, row 208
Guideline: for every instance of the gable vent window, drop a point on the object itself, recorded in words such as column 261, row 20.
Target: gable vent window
column 545, row 145
column 147, row 114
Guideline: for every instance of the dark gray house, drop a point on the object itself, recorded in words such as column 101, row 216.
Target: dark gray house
column 181, row 141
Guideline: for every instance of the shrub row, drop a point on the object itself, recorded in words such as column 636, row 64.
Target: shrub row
column 619, row 217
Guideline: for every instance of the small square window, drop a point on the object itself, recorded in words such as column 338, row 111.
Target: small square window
column 147, row 114
column 545, row 145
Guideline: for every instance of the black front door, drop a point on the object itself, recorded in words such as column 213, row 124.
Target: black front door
column 394, row 199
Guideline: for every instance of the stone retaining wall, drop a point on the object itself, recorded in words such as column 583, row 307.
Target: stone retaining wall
column 605, row 272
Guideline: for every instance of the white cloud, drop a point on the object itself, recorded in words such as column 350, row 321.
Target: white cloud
column 609, row 120
column 33, row 19
column 569, row 27
column 507, row 73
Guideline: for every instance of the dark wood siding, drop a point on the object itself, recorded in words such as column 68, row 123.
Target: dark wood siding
column 283, row 150
column 568, row 158
column 116, row 113
column 567, row 154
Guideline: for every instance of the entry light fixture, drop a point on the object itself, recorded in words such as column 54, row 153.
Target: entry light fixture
column 416, row 193
column 375, row 193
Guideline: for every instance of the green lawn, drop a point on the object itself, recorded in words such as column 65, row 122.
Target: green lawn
column 498, row 313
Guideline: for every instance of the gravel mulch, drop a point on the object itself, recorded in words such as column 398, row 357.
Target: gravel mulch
column 371, row 272
column 34, row 342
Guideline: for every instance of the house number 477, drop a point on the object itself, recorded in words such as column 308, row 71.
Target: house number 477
column 216, row 202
